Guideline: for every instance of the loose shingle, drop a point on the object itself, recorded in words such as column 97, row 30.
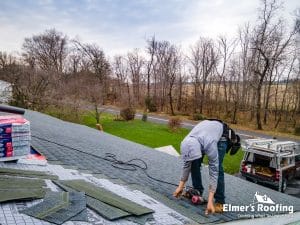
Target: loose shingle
column 7, row 182
column 27, row 173
column 59, row 207
column 105, row 210
column 21, row 194
column 142, row 220
column 107, row 197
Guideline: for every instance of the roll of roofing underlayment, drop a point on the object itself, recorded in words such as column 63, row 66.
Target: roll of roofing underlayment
column 10, row 109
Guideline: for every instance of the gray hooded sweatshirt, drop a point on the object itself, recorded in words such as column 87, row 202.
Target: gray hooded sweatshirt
column 203, row 139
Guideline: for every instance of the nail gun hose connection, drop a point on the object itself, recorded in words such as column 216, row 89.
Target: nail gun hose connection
column 9, row 109
column 130, row 165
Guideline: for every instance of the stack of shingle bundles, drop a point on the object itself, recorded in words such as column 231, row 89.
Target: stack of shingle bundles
column 14, row 136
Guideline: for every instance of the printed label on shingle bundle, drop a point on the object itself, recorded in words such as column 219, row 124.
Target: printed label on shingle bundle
column 14, row 136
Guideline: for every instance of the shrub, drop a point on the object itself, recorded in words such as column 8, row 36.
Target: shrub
column 297, row 130
column 68, row 113
column 118, row 118
column 127, row 113
column 151, row 106
column 198, row 116
column 144, row 117
column 174, row 123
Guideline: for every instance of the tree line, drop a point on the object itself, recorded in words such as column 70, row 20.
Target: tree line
column 252, row 78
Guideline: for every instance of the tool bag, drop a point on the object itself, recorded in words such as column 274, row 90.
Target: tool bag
column 233, row 140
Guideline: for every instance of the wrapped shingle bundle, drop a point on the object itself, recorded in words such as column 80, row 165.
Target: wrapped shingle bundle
column 14, row 136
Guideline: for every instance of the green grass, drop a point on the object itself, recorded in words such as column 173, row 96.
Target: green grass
column 153, row 135
column 146, row 133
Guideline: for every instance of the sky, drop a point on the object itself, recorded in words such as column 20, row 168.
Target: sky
column 118, row 26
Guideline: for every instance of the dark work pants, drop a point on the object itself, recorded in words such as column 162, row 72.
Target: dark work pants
column 196, row 174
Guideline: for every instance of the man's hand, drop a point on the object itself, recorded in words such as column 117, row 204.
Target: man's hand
column 210, row 204
column 178, row 192
column 210, row 208
column 179, row 189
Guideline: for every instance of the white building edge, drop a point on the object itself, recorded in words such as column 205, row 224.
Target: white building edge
column 5, row 91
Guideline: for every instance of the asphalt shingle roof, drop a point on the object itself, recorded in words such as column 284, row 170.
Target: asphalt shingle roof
column 90, row 143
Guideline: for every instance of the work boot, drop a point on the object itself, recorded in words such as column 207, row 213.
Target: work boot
column 218, row 207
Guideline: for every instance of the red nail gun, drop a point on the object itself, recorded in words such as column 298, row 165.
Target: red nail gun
column 194, row 195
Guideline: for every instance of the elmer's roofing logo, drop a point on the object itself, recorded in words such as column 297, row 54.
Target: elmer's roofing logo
column 261, row 203
column 263, row 199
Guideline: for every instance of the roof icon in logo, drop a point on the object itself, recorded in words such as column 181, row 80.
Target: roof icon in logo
column 263, row 199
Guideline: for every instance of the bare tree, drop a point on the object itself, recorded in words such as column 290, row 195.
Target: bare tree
column 96, row 75
column 203, row 59
column 245, row 63
column 297, row 69
column 225, row 51
column 268, row 46
column 167, row 67
column 150, row 64
column 234, row 88
column 173, row 72
column 135, row 64
column 99, row 65
column 31, row 87
column 75, row 61
column 285, row 99
column 181, row 82
column 121, row 70
column 47, row 50
column 161, row 76
column 5, row 61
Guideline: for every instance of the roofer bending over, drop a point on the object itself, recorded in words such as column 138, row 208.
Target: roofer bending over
column 212, row 138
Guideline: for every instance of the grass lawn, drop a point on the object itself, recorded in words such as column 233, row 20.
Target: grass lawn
column 153, row 135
